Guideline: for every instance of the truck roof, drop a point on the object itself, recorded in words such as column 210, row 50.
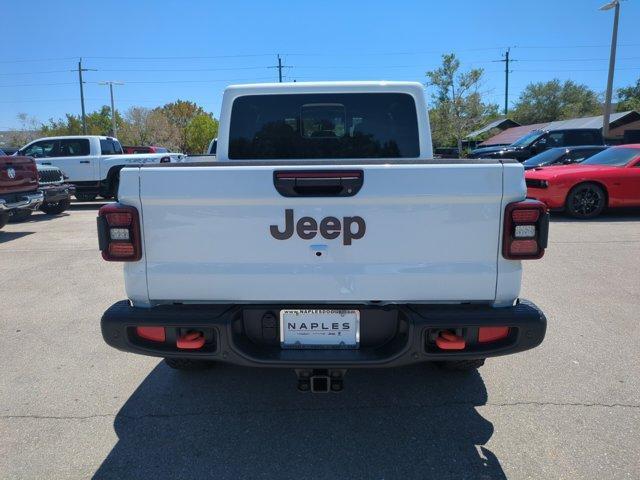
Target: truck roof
column 325, row 87
column 68, row 137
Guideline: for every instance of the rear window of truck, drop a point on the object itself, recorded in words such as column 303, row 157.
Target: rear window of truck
column 305, row 126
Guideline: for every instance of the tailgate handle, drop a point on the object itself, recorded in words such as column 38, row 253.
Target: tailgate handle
column 319, row 183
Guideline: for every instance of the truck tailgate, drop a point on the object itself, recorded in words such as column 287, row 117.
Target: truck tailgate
column 432, row 234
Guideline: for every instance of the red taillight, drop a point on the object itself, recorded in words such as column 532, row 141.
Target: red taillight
column 119, row 219
column 526, row 230
column 525, row 216
column 119, row 233
column 155, row 334
column 492, row 334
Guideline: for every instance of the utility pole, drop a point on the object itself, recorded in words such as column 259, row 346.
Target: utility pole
column 506, row 59
column 111, row 83
column 612, row 65
column 80, row 70
column 280, row 67
column 506, row 82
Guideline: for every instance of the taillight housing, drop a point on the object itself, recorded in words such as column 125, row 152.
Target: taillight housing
column 526, row 230
column 119, row 233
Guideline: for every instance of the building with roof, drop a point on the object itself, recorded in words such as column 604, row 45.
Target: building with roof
column 621, row 125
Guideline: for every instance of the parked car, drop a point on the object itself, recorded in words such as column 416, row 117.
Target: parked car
column 537, row 141
column 57, row 193
column 92, row 162
column 19, row 194
column 326, row 237
column 610, row 178
column 143, row 149
column 562, row 156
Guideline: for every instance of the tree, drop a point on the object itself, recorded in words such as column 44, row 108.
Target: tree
column 457, row 105
column 200, row 131
column 143, row 126
column 179, row 114
column 29, row 130
column 98, row 123
column 629, row 97
column 549, row 101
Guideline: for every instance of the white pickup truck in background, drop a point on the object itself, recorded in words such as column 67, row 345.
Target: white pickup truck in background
column 324, row 237
column 91, row 162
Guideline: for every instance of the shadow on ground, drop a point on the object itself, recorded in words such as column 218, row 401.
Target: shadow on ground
column 38, row 216
column 229, row 422
column 88, row 205
column 617, row 215
column 8, row 236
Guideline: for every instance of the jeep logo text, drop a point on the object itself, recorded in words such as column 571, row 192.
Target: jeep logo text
column 351, row 228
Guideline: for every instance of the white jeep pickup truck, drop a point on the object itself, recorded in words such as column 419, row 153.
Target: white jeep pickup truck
column 324, row 237
column 91, row 162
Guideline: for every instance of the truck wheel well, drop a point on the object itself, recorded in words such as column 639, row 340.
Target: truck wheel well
column 113, row 176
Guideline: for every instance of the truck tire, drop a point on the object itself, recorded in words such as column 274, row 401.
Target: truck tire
column 586, row 200
column 16, row 216
column 55, row 208
column 4, row 219
column 461, row 365
column 187, row 363
column 85, row 197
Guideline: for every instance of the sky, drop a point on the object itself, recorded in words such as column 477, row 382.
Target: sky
column 191, row 50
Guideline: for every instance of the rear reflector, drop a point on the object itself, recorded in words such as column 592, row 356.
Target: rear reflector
column 119, row 233
column 155, row 334
column 192, row 340
column 525, row 231
column 491, row 334
column 450, row 341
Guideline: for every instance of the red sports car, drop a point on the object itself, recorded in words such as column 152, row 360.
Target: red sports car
column 610, row 178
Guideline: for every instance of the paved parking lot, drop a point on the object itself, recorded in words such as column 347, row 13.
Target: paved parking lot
column 71, row 407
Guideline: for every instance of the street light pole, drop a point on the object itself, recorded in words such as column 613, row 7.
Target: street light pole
column 612, row 65
column 111, row 83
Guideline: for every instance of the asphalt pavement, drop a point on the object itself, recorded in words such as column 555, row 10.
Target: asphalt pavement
column 71, row 407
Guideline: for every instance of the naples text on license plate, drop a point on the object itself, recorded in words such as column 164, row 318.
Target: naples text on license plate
column 319, row 328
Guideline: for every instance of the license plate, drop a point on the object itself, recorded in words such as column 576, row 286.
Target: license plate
column 308, row 329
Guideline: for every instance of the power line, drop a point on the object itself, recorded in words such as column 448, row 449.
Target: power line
column 28, row 60
column 37, row 84
column 334, row 54
column 181, row 57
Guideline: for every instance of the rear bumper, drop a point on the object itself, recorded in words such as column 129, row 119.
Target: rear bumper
column 57, row 193
column 28, row 201
column 391, row 335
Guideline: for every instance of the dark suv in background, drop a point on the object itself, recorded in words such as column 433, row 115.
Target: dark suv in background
column 538, row 141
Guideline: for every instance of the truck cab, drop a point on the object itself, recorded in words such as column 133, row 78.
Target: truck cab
column 92, row 162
